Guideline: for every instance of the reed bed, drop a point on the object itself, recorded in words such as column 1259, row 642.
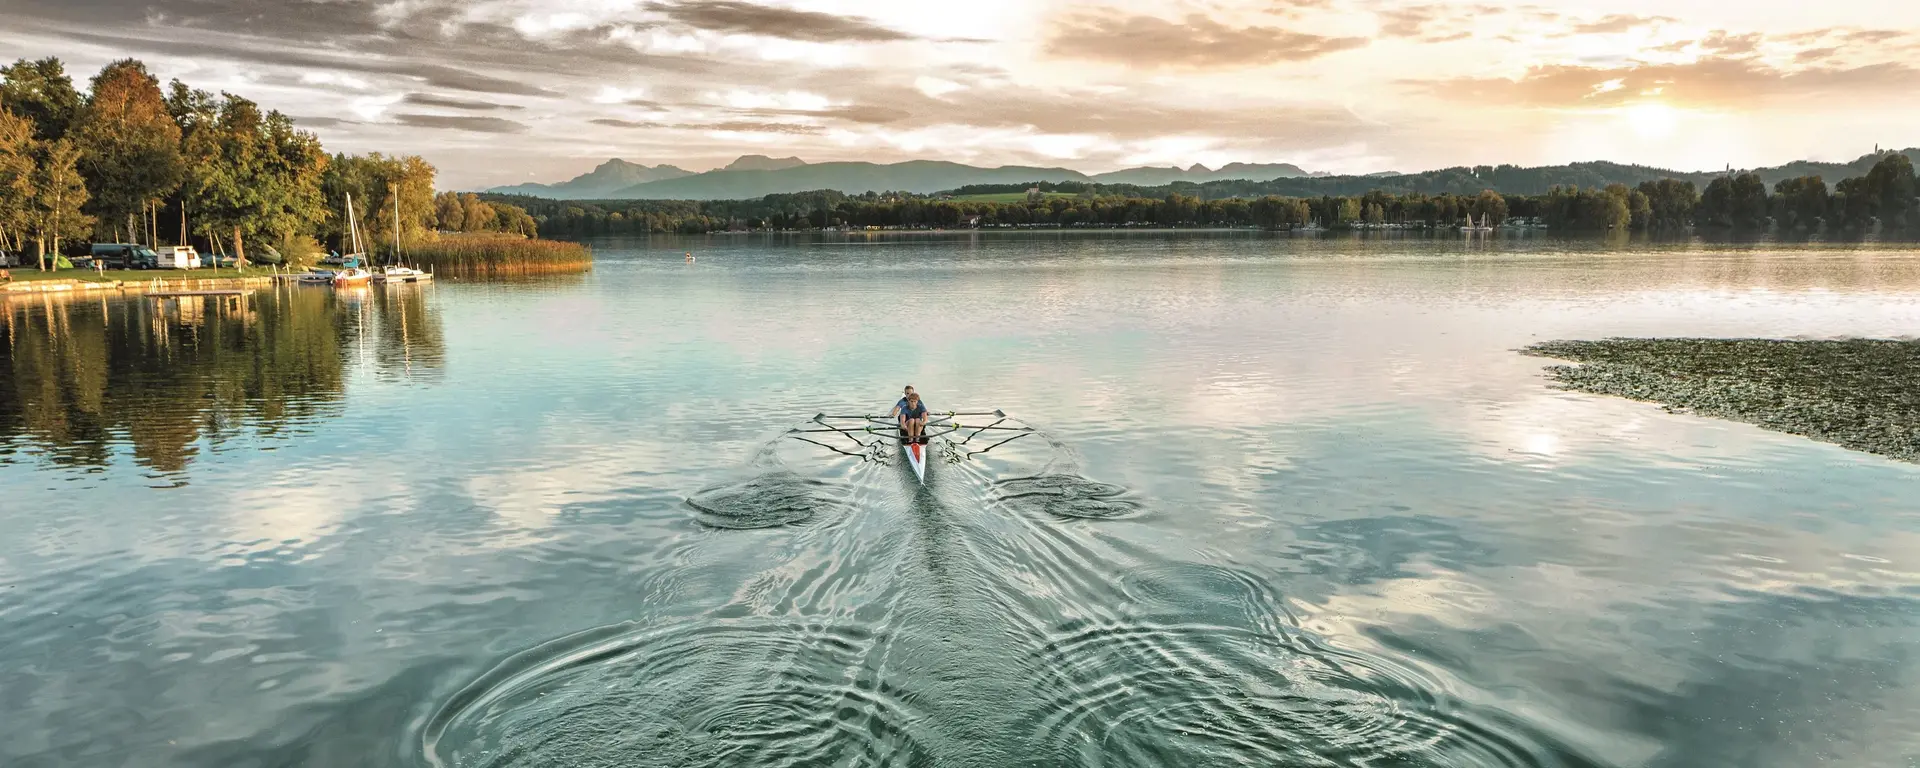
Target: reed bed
column 487, row 255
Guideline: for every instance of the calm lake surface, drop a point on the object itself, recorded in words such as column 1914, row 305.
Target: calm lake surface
column 1290, row 502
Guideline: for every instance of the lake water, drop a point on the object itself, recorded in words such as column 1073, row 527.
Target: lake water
column 1287, row 502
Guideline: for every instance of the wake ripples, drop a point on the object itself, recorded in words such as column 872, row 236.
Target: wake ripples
column 982, row 624
column 721, row 692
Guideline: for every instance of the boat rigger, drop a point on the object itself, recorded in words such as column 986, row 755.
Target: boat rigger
column 872, row 437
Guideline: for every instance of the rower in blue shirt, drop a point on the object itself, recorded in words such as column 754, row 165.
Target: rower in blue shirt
column 913, row 416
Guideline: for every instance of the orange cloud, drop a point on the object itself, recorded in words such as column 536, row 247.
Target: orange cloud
column 1196, row 43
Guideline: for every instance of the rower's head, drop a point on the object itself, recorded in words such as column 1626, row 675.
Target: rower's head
column 913, row 397
column 909, row 390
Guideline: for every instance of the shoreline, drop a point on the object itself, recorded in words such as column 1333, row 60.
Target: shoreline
column 68, row 285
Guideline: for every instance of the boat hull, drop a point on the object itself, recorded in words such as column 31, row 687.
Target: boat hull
column 917, row 457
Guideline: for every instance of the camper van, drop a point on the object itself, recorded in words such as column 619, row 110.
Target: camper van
column 179, row 257
column 125, row 256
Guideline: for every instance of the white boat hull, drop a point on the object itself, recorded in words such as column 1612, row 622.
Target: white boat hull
column 917, row 457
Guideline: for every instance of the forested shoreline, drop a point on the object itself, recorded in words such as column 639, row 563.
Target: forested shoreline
column 1881, row 200
column 129, row 161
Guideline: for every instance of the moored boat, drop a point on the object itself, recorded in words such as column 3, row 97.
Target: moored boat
column 351, row 276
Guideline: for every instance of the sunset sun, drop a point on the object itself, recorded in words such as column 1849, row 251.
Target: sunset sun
column 1652, row 119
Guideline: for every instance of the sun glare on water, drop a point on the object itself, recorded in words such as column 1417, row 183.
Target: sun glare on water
column 1652, row 120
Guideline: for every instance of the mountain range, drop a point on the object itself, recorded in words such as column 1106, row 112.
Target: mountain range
column 754, row 176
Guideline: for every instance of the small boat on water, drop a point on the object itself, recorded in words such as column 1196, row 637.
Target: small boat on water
column 875, row 435
column 352, row 275
column 916, row 451
column 1485, row 225
column 395, row 274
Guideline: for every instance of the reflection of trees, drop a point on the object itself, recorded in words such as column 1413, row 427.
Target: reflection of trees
column 410, row 341
column 78, row 375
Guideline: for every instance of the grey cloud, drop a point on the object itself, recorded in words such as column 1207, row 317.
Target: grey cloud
column 322, row 122
column 436, row 75
column 474, row 123
column 870, row 115
column 618, row 123
column 733, row 17
column 741, row 126
column 447, row 102
column 1196, row 43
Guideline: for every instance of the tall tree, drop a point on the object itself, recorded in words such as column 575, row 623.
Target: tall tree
column 59, row 193
column 41, row 92
column 17, row 148
column 129, row 142
column 1891, row 186
column 1800, row 203
column 1671, row 203
column 250, row 173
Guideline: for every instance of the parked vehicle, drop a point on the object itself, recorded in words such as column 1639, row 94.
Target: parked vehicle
column 207, row 260
column 8, row 259
column 125, row 256
column 179, row 257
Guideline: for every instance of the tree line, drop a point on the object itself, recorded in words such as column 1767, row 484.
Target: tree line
column 1884, row 197
column 129, row 161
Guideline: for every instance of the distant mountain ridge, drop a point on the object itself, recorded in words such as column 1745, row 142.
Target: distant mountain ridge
column 916, row 176
column 763, row 163
column 1197, row 173
column 603, row 181
column 753, row 176
column 756, row 176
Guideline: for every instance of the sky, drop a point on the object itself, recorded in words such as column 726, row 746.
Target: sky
column 505, row 91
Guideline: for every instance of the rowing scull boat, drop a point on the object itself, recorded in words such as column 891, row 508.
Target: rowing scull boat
column 945, row 427
column 916, row 456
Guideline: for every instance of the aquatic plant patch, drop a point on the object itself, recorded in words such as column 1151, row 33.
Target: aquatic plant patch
column 1862, row 394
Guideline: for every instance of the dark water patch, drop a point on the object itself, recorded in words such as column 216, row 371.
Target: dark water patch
column 1207, row 590
column 765, row 501
column 1856, row 393
column 718, row 693
column 1070, row 496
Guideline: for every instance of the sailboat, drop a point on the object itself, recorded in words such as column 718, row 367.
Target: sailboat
column 1485, row 224
column 352, row 274
column 394, row 273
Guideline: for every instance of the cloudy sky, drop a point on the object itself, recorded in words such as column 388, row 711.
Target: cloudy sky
column 501, row 91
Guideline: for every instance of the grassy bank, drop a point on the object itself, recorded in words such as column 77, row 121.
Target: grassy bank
column 30, row 274
column 490, row 254
column 1857, row 393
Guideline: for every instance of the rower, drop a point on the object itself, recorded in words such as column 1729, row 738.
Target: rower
column 913, row 416
column 689, row 257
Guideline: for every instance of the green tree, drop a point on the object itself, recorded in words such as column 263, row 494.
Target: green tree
column 1670, row 203
column 249, row 173
column 129, row 143
column 451, row 214
column 1851, row 206
column 59, row 193
column 1890, row 185
column 41, row 92
column 17, row 148
column 479, row 216
column 1800, row 203
column 1490, row 205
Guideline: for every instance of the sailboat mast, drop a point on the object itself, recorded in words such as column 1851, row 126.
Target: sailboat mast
column 353, row 227
column 396, row 222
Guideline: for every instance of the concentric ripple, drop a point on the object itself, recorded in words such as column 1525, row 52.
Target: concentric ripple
column 1070, row 496
column 1162, row 692
column 764, row 501
column 714, row 694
